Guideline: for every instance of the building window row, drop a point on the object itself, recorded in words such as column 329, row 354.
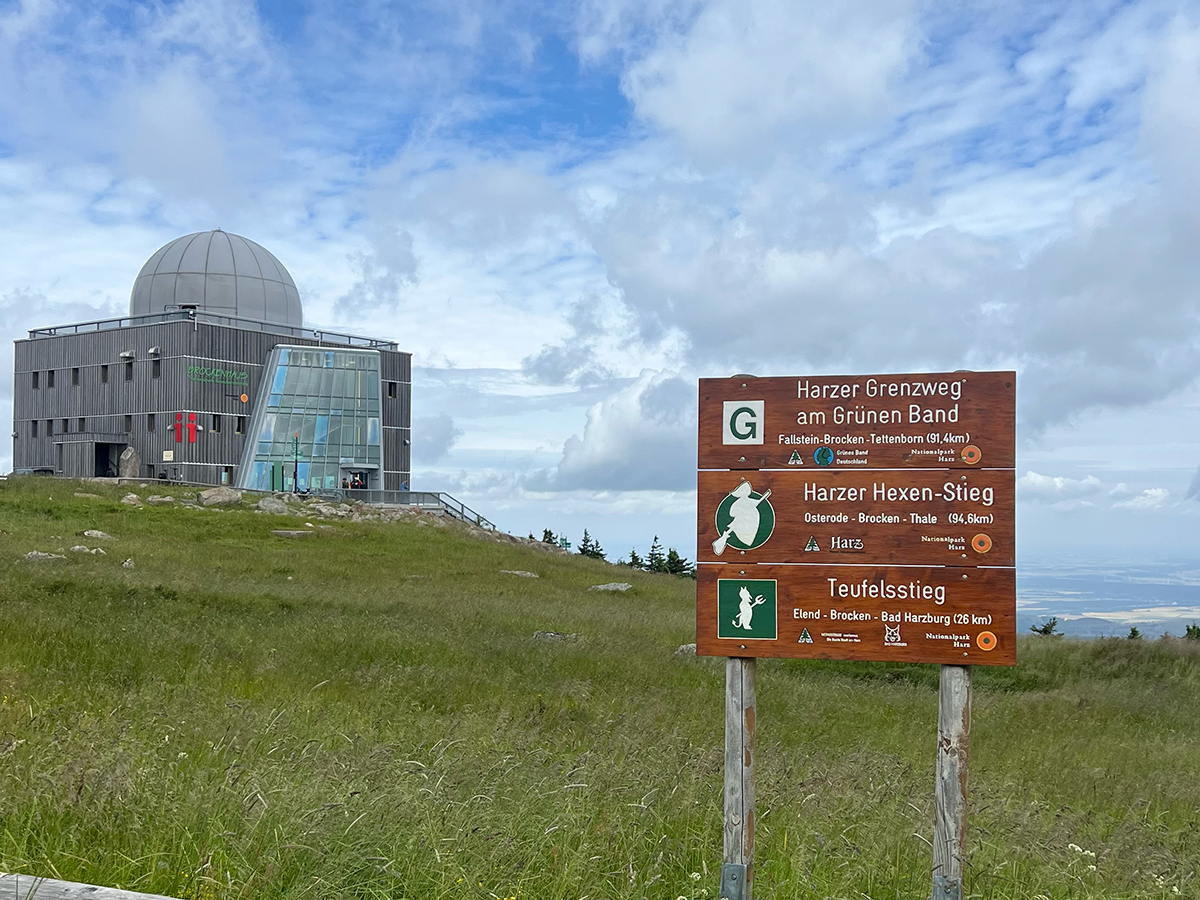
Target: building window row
column 151, row 425
column 35, row 377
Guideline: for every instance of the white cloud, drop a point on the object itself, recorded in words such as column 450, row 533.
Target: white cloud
column 1151, row 498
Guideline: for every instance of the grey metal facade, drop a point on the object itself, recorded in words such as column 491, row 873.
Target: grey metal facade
column 82, row 394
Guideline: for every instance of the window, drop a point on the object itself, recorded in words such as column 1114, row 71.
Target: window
column 128, row 424
column 49, row 428
column 129, row 371
column 149, row 421
column 240, row 427
column 215, row 428
column 75, row 376
column 66, row 426
column 156, row 368
column 104, row 374
column 50, row 379
column 35, row 380
column 33, row 428
column 82, row 424
column 391, row 390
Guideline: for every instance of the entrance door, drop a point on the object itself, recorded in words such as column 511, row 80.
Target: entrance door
column 108, row 459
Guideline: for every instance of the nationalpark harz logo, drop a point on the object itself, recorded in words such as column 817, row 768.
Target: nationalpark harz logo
column 747, row 609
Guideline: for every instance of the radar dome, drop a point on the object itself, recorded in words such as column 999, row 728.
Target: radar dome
column 220, row 273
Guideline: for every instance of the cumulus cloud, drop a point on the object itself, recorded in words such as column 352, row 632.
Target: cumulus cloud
column 1151, row 498
column 432, row 438
column 1034, row 485
column 642, row 437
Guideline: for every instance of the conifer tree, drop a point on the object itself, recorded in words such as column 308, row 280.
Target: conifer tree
column 548, row 537
column 657, row 560
column 634, row 561
column 678, row 565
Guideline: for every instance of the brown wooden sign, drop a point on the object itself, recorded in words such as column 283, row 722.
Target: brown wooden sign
column 943, row 420
column 899, row 517
column 889, row 614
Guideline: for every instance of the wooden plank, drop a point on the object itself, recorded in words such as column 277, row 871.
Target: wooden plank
column 905, row 517
column 950, row 789
column 740, row 712
column 865, row 421
column 884, row 613
column 26, row 887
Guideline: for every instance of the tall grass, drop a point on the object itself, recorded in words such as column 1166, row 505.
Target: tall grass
column 365, row 714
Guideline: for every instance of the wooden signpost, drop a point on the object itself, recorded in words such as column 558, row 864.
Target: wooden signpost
column 866, row 517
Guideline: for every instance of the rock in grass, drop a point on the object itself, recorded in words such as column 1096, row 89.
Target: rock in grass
column 160, row 501
column 86, row 495
column 611, row 586
column 283, row 533
column 128, row 564
column 96, row 535
column 80, row 548
column 39, row 556
column 220, row 496
column 686, row 650
column 554, row 636
column 131, row 500
column 272, row 506
column 519, row 573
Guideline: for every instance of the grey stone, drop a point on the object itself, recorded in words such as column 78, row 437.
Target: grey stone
column 686, row 650
column 80, row 548
column 283, row 533
column 131, row 500
column 611, row 586
column 128, row 564
column 39, row 556
column 160, row 501
column 554, row 636
column 85, row 494
column 272, row 505
column 220, row 496
column 96, row 535
column 130, row 464
column 520, row 573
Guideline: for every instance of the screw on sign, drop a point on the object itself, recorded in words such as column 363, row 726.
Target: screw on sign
column 877, row 523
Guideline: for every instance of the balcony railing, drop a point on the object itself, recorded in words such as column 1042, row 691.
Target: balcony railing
column 211, row 318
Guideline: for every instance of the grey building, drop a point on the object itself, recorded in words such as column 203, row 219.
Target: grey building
column 213, row 378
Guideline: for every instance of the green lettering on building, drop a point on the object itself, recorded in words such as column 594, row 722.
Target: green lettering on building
column 210, row 375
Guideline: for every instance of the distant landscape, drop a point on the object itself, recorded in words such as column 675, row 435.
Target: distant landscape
column 401, row 709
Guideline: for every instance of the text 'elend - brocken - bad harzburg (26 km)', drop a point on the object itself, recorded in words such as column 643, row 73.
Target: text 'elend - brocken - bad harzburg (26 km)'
column 858, row 517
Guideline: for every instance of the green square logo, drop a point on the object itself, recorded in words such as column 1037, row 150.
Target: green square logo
column 746, row 609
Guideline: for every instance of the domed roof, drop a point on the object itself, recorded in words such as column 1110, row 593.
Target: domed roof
column 219, row 272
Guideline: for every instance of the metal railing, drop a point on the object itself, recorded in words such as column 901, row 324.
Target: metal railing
column 210, row 318
column 417, row 499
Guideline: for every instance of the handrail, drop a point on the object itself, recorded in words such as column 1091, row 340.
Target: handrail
column 435, row 499
column 211, row 318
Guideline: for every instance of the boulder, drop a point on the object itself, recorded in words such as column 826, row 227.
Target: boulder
column 156, row 500
column 220, row 496
column 130, row 464
column 96, row 535
column 686, row 650
column 128, row 564
column 272, row 505
column 611, row 586
column 519, row 573
column 283, row 533
column 79, row 548
column 131, row 500
column 39, row 556
column 87, row 495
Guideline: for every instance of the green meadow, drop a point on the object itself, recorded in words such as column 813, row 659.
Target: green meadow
column 366, row 714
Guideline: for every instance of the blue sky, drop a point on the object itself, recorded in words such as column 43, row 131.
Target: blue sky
column 569, row 212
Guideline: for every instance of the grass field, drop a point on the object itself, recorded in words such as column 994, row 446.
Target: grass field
column 365, row 714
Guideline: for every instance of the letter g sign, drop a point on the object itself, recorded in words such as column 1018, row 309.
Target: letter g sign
column 743, row 422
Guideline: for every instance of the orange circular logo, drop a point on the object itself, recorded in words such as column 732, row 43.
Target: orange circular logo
column 981, row 543
column 244, row 398
column 971, row 454
column 986, row 640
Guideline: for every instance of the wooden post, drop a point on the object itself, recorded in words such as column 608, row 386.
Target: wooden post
column 950, row 790
column 737, row 870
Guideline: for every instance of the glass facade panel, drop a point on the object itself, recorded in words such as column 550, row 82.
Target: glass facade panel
column 317, row 422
